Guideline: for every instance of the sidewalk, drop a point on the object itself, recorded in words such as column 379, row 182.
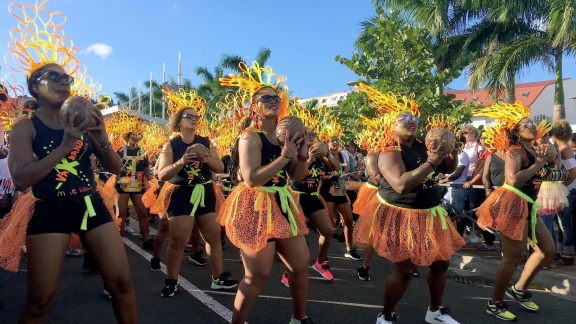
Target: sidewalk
column 471, row 261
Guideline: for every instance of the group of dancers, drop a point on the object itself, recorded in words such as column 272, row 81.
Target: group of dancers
column 279, row 187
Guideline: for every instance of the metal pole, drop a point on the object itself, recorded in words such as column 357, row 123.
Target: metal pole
column 179, row 69
column 139, row 96
column 163, row 81
column 150, row 108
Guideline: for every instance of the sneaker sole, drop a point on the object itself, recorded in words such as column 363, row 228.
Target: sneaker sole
column 353, row 258
column 320, row 272
column 172, row 294
column 285, row 285
column 223, row 287
column 152, row 269
column 519, row 302
column 363, row 279
column 501, row 318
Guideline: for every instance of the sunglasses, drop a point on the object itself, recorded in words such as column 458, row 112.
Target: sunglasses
column 57, row 77
column 191, row 117
column 269, row 98
column 528, row 124
column 311, row 135
column 409, row 119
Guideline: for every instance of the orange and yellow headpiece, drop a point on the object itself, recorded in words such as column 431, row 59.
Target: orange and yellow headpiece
column 253, row 78
column 11, row 103
column 327, row 125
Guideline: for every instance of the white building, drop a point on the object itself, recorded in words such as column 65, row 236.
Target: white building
column 331, row 100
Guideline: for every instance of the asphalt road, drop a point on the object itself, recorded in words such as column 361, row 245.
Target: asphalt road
column 346, row 300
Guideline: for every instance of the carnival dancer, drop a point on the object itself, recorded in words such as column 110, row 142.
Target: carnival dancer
column 331, row 190
column 53, row 158
column 261, row 214
column 368, row 140
column 511, row 209
column 131, row 183
column 410, row 227
column 186, row 164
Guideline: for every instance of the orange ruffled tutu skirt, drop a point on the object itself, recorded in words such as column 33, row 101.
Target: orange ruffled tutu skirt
column 365, row 194
column 552, row 197
column 504, row 211
column 159, row 204
column 13, row 228
column 399, row 234
column 252, row 216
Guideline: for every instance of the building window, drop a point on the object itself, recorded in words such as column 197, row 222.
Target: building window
column 462, row 100
column 539, row 118
column 341, row 97
column 334, row 98
column 525, row 93
column 323, row 100
column 474, row 99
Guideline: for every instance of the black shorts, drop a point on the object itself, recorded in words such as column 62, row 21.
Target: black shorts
column 337, row 200
column 65, row 216
column 180, row 201
column 310, row 204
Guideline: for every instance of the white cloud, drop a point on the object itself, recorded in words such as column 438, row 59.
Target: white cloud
column 100, row 49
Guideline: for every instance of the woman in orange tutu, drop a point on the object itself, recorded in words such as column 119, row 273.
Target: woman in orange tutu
column 511, row 209
column 366, row 194
column 261, row 214
column 410, row 228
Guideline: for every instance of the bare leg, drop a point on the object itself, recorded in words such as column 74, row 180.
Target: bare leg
column 346, row 212
column 295, row 255
column 437, row 282
column 397, row 284
column 45, row 257
column 211, row 233
column 332, row 213
column 368, row 254
column 108, row 251
column 513, row 252
column 160, row 236
column 142, row 215
column 180, row 228
column 321, row 221
column 122, row 210
column 195, row 238
column 257, row 267
column 543, row 253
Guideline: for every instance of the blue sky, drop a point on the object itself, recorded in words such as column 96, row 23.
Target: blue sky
column 136, row 37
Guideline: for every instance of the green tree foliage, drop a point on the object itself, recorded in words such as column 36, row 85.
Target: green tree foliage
column 394, row 55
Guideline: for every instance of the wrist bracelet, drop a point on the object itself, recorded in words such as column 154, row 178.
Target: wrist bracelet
column 432, row 165
column 285, row 157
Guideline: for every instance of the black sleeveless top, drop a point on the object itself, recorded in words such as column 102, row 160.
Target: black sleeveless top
column 271, row 152
column 496, row 171
column 326, row 184
column 72, row 177
column 532, row 185
column 425, row 195
column 316, row 170
column 192, row 173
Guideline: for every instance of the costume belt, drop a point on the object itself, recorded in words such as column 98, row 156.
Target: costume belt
column 285, row 200
column 197, row 197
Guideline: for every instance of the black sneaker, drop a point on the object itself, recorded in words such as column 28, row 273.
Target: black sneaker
column 197, row 258
column 305, row 320
column 106, row 294
column 169, row 288
column 352, row 255
column 223, row 282
column 363, row 273
column 416, row 274
column 155, row 264
column 148, row 245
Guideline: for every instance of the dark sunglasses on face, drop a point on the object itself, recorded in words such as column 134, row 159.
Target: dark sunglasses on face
column 269, row 98
column 528, row 124
column 57, row 77
column 191, row 117
column 464, row 133
column 409, row 119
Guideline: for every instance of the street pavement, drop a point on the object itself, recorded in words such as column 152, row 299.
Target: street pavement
column 346, row 300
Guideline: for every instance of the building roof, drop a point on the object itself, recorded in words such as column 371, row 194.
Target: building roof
column 526, row 93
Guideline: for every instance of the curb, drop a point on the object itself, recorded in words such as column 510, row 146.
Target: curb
column 559, row 283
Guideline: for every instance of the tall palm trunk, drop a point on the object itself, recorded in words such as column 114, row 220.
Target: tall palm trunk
column 559, row 108
column 511, row 87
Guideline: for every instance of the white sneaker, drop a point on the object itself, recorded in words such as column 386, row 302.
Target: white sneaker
column 129, row 229
column 383, row 319
column 442, row 315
